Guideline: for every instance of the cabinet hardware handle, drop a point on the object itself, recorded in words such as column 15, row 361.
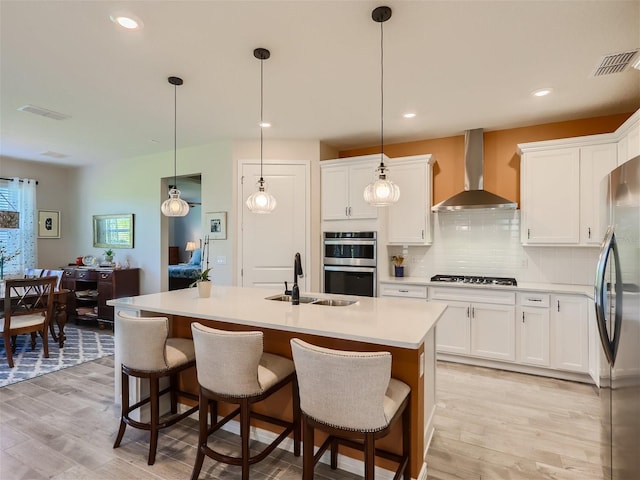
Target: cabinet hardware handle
column 422, row 234
column 589, row 229
column 467, row 312
column 473, row 312
column 403, row 291
column 522, row 317
column 558, row 305
column 528, row 234
column 534, row 299
column 346, row 211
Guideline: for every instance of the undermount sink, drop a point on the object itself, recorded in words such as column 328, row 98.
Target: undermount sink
column 334, row 302
column 314, row 301
column 287, row 298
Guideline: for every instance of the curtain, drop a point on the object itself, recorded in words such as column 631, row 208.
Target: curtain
column 21, row 196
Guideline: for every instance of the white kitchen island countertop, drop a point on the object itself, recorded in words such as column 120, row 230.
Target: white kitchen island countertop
column 383, row 321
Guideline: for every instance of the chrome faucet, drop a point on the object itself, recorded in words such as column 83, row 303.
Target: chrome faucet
column 297, row 270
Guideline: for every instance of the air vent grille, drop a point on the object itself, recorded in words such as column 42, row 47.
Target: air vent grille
column 44, row 112
column 51, row 154
column 614, row 63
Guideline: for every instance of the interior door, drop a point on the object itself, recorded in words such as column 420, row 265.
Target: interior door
column 270, row 241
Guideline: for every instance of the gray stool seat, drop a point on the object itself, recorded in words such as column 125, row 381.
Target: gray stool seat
column 233, row 368
column 352, row 397
column 148, row 352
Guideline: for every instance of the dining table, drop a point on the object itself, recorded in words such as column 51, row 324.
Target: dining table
column 59, row 318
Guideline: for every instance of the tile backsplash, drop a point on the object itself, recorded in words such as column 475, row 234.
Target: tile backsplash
column 487, row 242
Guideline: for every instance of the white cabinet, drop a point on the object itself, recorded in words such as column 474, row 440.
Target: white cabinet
column 342, row 187
column 532, row 329
column 560, row 190
column 404, row 290
column 476, row 322
column 493, row 331
column 570, row 333
column 629, row 142
column 550, row 190
column 596, row 162
column 409, row 220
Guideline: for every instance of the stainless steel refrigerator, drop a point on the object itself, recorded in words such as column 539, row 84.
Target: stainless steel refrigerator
column 617, row 300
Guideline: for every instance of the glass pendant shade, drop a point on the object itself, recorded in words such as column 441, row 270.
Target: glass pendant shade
column 174, row 206
column 381, row 192
column 261, row 201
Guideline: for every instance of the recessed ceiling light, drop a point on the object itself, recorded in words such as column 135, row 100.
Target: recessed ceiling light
column 541, row 92
column 409, row 115
column 128, row 21
column 264, row 124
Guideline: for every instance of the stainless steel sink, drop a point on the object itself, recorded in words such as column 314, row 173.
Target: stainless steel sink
column 330, row 302
column 287, row 298
column 334, row 302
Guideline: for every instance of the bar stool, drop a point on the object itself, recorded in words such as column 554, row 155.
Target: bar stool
column 233, row 368
column 148, row 352
column 351, row 396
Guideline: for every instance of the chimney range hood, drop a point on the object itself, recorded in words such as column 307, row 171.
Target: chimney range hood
column 473, row 196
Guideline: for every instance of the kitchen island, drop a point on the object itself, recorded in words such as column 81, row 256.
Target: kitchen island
column 406, row 329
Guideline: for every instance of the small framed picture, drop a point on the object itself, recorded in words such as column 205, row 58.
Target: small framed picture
column 48, row 224
column 216, row 225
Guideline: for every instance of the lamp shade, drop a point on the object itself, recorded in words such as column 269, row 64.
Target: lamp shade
column 381, row 192
column 174, row 206
column 191, row 246
column 261, row 201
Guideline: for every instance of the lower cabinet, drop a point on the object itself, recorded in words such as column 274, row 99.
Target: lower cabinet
column 532, row 329
column 570, row 334
column 493, row 331
column 453, row 332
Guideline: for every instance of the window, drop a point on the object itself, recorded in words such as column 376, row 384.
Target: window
column 19, row 195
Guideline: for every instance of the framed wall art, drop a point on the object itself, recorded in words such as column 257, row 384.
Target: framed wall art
column 216, row 225
column 113, row 231
column 48, row 224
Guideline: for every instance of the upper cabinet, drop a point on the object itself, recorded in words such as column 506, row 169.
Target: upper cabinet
column 409, row 220
column 342, row 187
column 629, row 138
column 560, row 189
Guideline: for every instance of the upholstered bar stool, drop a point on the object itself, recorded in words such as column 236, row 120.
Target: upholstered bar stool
column 148, row 352
column 233, row 368
column 352, row 397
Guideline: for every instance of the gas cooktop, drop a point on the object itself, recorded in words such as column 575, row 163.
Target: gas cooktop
column 475, row 280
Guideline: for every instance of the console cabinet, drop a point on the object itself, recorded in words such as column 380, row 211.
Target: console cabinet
column 92, row 288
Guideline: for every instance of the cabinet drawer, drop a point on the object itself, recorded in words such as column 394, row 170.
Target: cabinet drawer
column 105, row 276
column 86, row 275
column 408, row 291
column 533, row 299
column 475, row 295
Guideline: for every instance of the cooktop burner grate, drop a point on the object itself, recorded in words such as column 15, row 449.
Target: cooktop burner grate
column 475, row 280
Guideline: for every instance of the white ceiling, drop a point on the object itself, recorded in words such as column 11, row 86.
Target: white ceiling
column 457, row 64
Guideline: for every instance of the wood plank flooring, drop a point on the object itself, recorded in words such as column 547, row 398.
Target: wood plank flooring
column 489, row 425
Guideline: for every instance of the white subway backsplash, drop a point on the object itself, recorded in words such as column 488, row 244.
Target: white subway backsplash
column 487, row 242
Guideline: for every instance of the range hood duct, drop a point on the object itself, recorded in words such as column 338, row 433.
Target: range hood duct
column 473, row 196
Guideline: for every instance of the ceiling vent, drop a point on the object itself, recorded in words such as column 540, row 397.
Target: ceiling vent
column 44, row 112
column 614, row 63
column 51, row 154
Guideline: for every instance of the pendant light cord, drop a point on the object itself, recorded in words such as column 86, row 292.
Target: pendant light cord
column 175, row 134
column 261, row 112
column 382, row 96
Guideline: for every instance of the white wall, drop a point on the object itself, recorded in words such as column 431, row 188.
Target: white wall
column 54, row 192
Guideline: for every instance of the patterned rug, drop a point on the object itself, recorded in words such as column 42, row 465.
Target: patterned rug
column 81, row 345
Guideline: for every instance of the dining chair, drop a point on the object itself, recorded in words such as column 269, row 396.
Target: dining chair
column 33, row 272
column 351, row 397
column 28, row 308
column 54, row 273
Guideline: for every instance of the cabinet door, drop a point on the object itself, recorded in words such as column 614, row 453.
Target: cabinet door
column 408, row 219
column 533, row 335
column 360, row 176
column 633, row 142
column 551, row 197
column 334, row 191
column 452, row 330
column 570, row 333
column 595, row 163
column 493, row 331
column 105, row 292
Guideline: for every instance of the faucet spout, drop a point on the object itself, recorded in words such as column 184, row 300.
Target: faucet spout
column 297, row 270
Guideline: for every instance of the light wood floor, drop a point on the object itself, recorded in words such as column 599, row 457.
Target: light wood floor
column 489, row 425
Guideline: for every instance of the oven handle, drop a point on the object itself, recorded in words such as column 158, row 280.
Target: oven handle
column 349, row 242
column 350, row 269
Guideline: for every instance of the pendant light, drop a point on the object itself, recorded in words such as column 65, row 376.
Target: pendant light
column 261, row 201
column 382, row 192
column 174, row 206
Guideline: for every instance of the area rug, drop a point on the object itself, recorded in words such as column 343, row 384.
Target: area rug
column 81, row 345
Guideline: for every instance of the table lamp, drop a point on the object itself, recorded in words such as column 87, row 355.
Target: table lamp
column 191, row 246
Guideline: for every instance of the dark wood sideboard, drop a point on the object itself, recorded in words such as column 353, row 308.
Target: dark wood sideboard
column 91, row 288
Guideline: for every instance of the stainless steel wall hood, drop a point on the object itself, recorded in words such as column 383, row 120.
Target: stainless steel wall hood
column 473, row 195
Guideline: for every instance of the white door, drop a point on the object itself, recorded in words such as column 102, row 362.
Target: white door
column 268, row 242
column 493, row 331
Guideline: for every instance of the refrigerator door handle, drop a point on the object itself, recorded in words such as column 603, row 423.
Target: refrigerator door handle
column 609, row 345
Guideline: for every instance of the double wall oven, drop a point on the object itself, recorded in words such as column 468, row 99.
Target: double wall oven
column 350, row 263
